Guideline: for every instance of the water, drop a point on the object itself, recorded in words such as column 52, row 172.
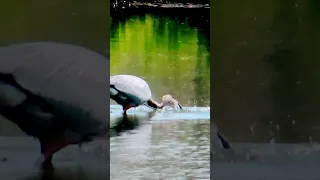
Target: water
column 266, row 71
column 172, row 54
column 265, row 90
column 265, row 86
column 144, row 145
column 70, row 163
column 173, row 58
column 166, row 144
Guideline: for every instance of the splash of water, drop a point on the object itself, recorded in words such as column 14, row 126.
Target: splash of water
column 167, row 113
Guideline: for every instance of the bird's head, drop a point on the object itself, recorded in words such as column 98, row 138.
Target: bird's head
column 168, row 99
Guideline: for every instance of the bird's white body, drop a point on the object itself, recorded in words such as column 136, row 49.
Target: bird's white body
column 78, row 81
column 134, row 87
column 55, row 92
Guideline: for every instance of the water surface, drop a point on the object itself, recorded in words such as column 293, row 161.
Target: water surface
column 165, row 144
column 171, row 53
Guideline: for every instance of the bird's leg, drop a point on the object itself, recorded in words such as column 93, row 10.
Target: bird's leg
column 80, row 147
column 49, row 146
column 83, row 140
column 125, row 108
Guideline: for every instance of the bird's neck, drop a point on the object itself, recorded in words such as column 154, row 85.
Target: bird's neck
column 155, row 104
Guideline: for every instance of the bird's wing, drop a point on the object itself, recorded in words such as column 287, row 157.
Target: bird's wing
column 73, row 79
column 134, row 87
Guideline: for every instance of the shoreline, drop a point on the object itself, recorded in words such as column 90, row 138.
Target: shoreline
column 136, row 5
column 171, row 5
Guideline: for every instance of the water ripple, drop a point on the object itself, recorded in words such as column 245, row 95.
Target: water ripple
column 163, row 150
column 167, row 113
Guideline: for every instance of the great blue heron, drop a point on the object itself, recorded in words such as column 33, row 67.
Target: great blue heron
column 132, row 91
column 55, row 92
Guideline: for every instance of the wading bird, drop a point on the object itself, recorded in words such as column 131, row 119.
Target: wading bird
column 54, row 92
column 131, row 91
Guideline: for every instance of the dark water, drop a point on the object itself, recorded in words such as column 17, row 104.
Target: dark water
column 70, row 163
column 265, row 76
column 265, row 85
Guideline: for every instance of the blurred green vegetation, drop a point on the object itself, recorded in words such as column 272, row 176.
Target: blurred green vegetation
column 80, row 22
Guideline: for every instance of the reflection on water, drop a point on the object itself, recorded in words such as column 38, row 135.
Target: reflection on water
column 267, row 161
column 169, row 53
column 70, row 163
column 156, row 149
column 67, row 173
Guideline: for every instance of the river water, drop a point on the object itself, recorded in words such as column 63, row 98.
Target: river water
column 172, row 54
column 265, row 90
column 167, row 144
column 169, row 50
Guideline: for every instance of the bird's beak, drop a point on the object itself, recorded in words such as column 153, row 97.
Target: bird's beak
column 176, row 104
column 224, row 142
